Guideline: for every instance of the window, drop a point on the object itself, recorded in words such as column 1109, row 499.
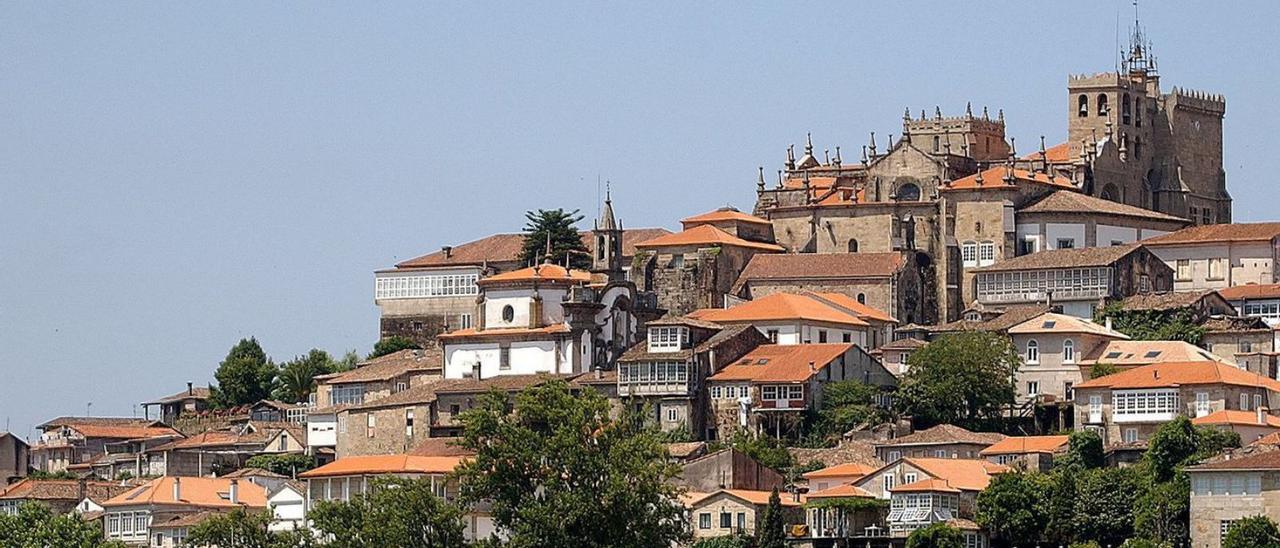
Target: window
column 1183, row 267
column 1126, row 110
column 773, row 335
column 704, row 520
column 822, row 336
column 726, row 520
column 1244, row 402
column 1068, row 351
column 1217, row 268
column 673, row 414
column 888, row 483
column 908, row 193
column 1033, row 388
column 508, row 314
column 342, row 423
column 1223, row 527
column 969, row 253
column 1068, row 390
column 846, row 337
column 1033, row 351
column 1066, row 243
column 1130, row 435
column 894, row 455
column 408, row 423
column 862, row 298
column 504, row 356
column 464, row 321
column 986, row 254
column 1127, row 404
column 419, row 286
column 454, row 409
column 742, row 521
column 715, row 392
column 1246, row 347
column 1102, row 104
column 743, row 391
column 853, row 246
column 937, row 143
column 370, row 424
column 1257, row 401
column 1083, row 109
column 1137, row 147
column 346, row 394
column 401, row 386
column 283, row 444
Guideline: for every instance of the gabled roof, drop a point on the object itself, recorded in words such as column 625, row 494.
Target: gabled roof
column 1072, row 202
column 820, row 266
column 757, row 498
column 505, row 248
column 1236, row 232
column 1137, row 353
column 926, row 485
column 1266, row 460
column 1163, row 375
column 254, row 473
column 414, row 395
column 390, row 366
column 1166, row 300
column 943, row 434
column 841, row 470
column 782, row 363
column 370, row 465
column 548, row 272
column 963, row 474
column 1055, row 154
column 98, row 421
column 196, row 393
column 906, row 343
column 194, row 491
column 705, row 235
column 993, row 178
column 1050, row 322
column 112, row 428
column 1063, row 258
column 475, row 333
column 1251, row 291
column 780, row 307
column 864, row 312
column 1235, row 417
column 844, row 490
column 721, row 215
column 1012, row 316
column 69, row 490
column 1017, row 445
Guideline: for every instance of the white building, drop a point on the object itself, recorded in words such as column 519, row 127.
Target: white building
column 1220, row 256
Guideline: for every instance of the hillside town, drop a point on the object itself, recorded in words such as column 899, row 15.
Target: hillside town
column 938, row 332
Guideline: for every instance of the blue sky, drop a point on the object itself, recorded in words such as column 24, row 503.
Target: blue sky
column 174, row 177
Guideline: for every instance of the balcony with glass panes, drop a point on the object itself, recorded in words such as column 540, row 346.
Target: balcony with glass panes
column 1035, row 285
column 655, row 379
column 911, row 511
column 1144, row 406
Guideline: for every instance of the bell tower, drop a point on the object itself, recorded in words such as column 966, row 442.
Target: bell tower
column 606, row 257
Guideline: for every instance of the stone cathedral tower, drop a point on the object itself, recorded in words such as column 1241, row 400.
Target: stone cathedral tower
column 607, row 258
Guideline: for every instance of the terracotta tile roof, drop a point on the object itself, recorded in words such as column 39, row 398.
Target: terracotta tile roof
column 100, row 421
column 1012, row 316
column 1269, row 439
column 728, row 334
column 705, row 235
column 844, row 490
column 1251, row 291
column 685, row 321
column 194, row 491
column 474, row 333
column 820, row 266
column 864, row 312
column 390, row 366
column 1167, row 300
column 943, row 434
column 904, row 344
column 993, row 179
column 212, row 438
column 197, row 393
column 782, row 363
column 1163, row 375
column 1238, row 232
column 1266, row 460
column 69, row 490
column 780, row 307
column 1235, row 324
column 183, row 521
column 507, row 383
column 1070, row 201
column 1136, row 353
column 684, row 450
column 861, row 452
column 842, row 470
column 385, row 464
column 589, row 378
column 964, row 474
column 122, row 432
column 254, row 473
column 1050, row 322
column 551, row 273
column 505, row 248
column 414, row 395
column 1063, row 258
column 1055, row 154
column 723, row 214
column 440, row 447
column 926, row 485
column 757, row 498
column 1236, row 417
column 1017, row 445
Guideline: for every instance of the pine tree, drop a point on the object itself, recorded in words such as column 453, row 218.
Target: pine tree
column 772, row 533
column 245, row 376
column 557, row 224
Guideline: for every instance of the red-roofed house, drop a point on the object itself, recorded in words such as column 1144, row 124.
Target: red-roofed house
column 923, row 491
column 1225, row 490
column 130, row 514
column 737, row 511
column 1220, row 256
column 1034, row 453
column 788, row 318
column 67, row 441
column 1255, row 300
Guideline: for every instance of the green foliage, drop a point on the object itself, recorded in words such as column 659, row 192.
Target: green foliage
column 395, row 512
column 240, row 529
column 851, row 504
column 938, row 535
column 1084, row 450
column 348, row 362
column 845, row 406
column 1253, row 532
column 36, row 526
column 1084, row 544
column 1104, row 504
column 285, row 464
column 556, row 470
column 1162, row 512
column 390, row 345
column 965, row 378
column 1153, row 325
column 59, row 475
column 1178, row 443
column 765, row 450
column 1060, row 508
column 297, row 376
column 246, row 376
column 772, row 532
column 726, row 541
column 565, row 240
column 1101, row 370
column 1012, row 507
column 1144, row 543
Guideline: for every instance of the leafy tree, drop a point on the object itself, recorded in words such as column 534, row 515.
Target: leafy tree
column 35, row 526
column 1178, row 443
column 1144, row 543
column 234, row 529
column 961, row 378
column 1084, row 544
column 765, row 450
column 348, row 362
column 556, row 470
column 395, row 512
column 726, row 541
column 772, row 532
column 1104, row 504
column 1012, row 507
column 1101, row 370
column 845, row 406
column 1162, row 512
column 285, row 464
column 1060, row 508
column 1253, row 532
column 938, row 535
column 1084, row 450
column 59, row 475
column 565, row 240
column 1153, row 325
column 390, row 345
column 246, row 376
column 298, row 376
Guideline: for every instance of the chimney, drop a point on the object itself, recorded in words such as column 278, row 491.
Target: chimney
column 447, row 250
column 190, row 390
column 1108, row 323
column 234, row 491
column 80, row 490
column 599, row 372
column 177, row 489
column 813, row 368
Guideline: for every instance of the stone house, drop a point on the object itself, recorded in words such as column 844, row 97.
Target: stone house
column 830, row 521
column 944, row 441
column 1255, row 301
column 1200, row 305
column 1220, row 256
column 807, row 318
column 15, row 458
column 1225, row 490
column 1128, row 406
column 394, row 424
column 129, row 515
column 1052, row 347
column 895, row 355
column 1246, row 341
column 222, row 451
column 832, row 476
column 457, row 397
column 728, row 469
column 1033, row 453
column 61, row 496
column 66, row 441
column 970, row 476
column 368, row 382
column 737, row 511
column 1065, row 219
column 190, row 401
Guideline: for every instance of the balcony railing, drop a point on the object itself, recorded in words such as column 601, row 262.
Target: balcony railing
column 654, row 388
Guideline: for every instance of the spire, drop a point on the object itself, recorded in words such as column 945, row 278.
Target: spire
column 791, row 156
column 546, row 255
column 968, row 109
column 838, row 160
column 984, row 113
column 826, row 156
column 760, row 181
column 977, row 179
column 607, row 221
column 1013, row 148
column 779, row 179
column 1000, row 116
column 873, row 143
column 1044, row 155
column 937, row 112
column 808, row 143
column 906, row 116
column 864, row 155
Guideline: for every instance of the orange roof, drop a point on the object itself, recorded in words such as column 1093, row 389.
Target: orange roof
column 1056, row 154
column 1269, row 439
column 1136, row 353
column 1050, row 322
column 1236, row 417
column 193, row 491
column 782, row 363
column 841, row 491
column 720, row 215
column 540, row 273
column 1016, row 445
column 1161, row 375
column 931, row 485
column 841, row 470
column 779, row 307
column 966, row 474
column 1237, row 232
column 384, row 464
column 993, row 178
column 759, row 498
column 1250, row 291
column 705, row 235
column 472, row 332
column 863, row 311
column 122, row 432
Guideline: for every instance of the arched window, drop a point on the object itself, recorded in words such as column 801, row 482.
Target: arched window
column 853, row 246
column 1068, row 351
column 1083, row 109
column 600, row 246
column 862, row 298
column 508, row 314
column 1124, row 143
column 909, row 192
column 1102, row 104
column 1033, row 351
column 937, row 143
column 1125, row 112
column 1137, row 111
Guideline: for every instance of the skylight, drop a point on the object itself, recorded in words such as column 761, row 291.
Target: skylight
column 1152, row 354
column 1113, row 355
column 1048, row 324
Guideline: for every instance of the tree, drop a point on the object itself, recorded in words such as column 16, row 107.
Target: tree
column 556, row 470
column 234, row 529
column 772, row 532
column 1084, row 450
column 35, row 525
column 391, row 345
column 1101, row 370
column 1012, row 507
column 285, row 464
column 961, row 378
column 726, row 541
column 938, row 535
column 558, row 224
column 763, row 449
column 348, row 362
column 1153, row 325
column 845, row 406
column 298, row 376
column 245, row 376
column 1178, row 443
column 1254, row 532
column 1144, row 543
column 395, row 512
column 1060, row 507
column 1162, row 512
column 1104, row 504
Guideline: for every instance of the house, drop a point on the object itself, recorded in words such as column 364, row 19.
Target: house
column 1128, row 354
column 129, row 515
column 1200, row 305
column 789, row 318
column 1065, row 219
column 944, row 441
column 393, row 424
column 1256, row 300
column 456, row 398
column 346, row 477
column 1078, row 280
column 1034, row 453
column 61, row 496
column 828, row 518
column 667, row 372
column 969, row 476
column 190, row 401
column 991, row 318
column 172, row 530
column 895, row 355
column 216, row 451
column 288, row 504
column 265, row 478
column 922, row 503
column 840, row 474
column 1248, row 342
column 894, row 282
column 737, row 511
column 1225, row 490
column 728, row 469
column 278, row 411
column 1251, row 426
column 1051, row 347
column 1128, row 406
column 1219, row 256
column 770, row 387
column 66, row 441
column 15, row 458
